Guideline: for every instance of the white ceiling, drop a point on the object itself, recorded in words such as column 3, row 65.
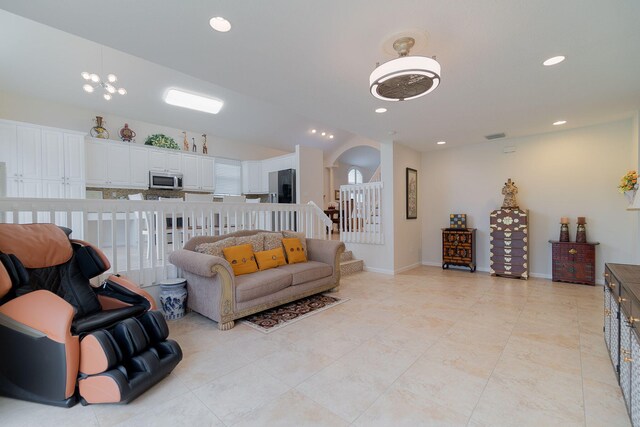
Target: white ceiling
column 288, row 66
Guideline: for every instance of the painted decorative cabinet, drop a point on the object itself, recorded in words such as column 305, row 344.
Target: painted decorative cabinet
column 508, row 243
column 573, row 262
column 459, row 247
column 621, row 335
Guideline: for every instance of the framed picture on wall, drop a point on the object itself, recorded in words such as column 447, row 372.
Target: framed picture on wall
column 412, row 193
column 336, row 194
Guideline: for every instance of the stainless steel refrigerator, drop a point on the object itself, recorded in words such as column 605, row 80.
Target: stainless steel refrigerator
column 282, row 186
column 282, row 189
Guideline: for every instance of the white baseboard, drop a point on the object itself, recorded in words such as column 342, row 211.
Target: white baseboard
column 407, row 268
column 378, row 270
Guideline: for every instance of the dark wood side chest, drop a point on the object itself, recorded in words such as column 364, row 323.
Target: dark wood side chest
column 573, row 262
column 508, row 243
column 459, row 247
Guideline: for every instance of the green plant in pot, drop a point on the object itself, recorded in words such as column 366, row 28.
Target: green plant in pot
column 162, row 141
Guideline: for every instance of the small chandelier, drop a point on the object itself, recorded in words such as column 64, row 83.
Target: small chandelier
column 94, row 82
column 406, row 77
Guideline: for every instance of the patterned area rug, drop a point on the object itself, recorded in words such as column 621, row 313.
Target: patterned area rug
column 279, row 317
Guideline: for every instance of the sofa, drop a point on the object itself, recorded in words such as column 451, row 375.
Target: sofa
column 215, row 292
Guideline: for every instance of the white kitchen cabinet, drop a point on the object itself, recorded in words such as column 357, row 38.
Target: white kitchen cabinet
column 198, row 172
column 165, row 160
column 62, row 157
column 252, row 178
column 108, row 164
column 139, row 166
column 207, row 174
column 74, row 170
column 20, row 149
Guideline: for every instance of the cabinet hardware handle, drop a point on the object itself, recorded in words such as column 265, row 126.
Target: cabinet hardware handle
column 623, row 351
column 612, row 285
column 628, row 359
column 573, row 251
column 620, row 299
column 632, row 320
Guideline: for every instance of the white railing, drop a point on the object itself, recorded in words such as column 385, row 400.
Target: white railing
column 137, row 236
column 361, row 213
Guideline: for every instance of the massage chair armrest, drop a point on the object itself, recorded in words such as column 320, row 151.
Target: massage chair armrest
column 326, row 251
column 118, row 291
column 39, row 311
column 199, row 264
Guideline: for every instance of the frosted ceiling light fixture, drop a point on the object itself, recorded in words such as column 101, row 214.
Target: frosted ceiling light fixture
column 381, row 110
column 93, row 82
column 441, row 142
column 192, row 101
column 553, row 61
column 559, row 122
column 406, row 77
column 220, row 24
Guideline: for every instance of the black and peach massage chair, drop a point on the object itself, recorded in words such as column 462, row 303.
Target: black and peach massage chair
column 64, row 340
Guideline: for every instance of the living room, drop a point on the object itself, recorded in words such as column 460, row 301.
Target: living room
column 287, row 81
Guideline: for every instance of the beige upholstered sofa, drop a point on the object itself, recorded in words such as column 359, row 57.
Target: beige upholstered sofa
column 215, row 292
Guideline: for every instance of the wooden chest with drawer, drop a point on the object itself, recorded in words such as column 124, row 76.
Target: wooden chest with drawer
column 508, row 243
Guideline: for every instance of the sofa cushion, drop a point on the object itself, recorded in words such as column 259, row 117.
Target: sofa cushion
column 216, row 248
column 241, row 259
column 293, row 250
column 256, row 241
column 270, row 259
column 298, row 235
column 272, row 240
column 307, row 271
column 261, row 283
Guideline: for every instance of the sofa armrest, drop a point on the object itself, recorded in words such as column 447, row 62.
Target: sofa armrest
column 43, row 313
column 199, row 264
column 327, row 251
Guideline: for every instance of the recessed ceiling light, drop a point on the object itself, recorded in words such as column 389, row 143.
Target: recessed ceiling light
column 559, row 122
column 441, row 142
column 323, row 133
column 381, row 110
column 330, row 136
column 220, row 24
column 313, row 131
column 553, row 61
column 195, row 102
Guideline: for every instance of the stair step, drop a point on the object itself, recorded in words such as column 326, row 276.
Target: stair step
column 346, row 256
column 351, row 266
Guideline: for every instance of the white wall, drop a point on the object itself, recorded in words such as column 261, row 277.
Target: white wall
column 407, row 232
column 568, row 173
column 48, row 113
column 309, row 175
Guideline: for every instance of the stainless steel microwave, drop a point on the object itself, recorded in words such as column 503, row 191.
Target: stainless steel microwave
column 165, row 180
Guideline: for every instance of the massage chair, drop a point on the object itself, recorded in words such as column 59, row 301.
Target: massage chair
column 64, row 340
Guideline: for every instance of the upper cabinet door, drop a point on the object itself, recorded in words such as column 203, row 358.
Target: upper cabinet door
column 53, row 155
column 74, row 157
column 207, row 176
column 157, row 160
column 174, row 161
column 8, row 148
column 191, row 168
column 139, row 167
column 118, row 163
column 96, row 161
column 29, row 140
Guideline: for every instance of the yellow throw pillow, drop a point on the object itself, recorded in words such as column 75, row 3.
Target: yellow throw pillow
column 241, row 259
column 294, row 250
column 270, row 259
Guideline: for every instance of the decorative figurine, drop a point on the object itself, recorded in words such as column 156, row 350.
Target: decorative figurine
column 194, row 147
column 204, row 144
column 127, row 134
column 564, row 229
column 99, row 131
column 581, row 232
column 509, row 192
column 185, row 143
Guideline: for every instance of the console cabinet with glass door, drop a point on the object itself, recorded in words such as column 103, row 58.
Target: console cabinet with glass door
column 459, row 247
column 621, row 319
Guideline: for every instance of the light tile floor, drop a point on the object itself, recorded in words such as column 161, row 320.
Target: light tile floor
column 426, row 347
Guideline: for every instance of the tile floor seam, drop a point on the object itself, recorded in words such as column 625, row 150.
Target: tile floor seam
column 494, row 366
column 584, row 403
column 403, row 372
column 209, row 409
